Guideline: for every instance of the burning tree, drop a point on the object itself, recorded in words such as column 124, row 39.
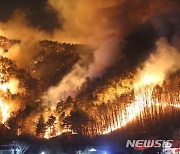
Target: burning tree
column 51, row 125
column 77, row 121
column 41, row 127
column 102, row 106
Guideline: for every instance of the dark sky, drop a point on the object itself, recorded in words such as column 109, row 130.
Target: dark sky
column 38, row 14
column 41, row 15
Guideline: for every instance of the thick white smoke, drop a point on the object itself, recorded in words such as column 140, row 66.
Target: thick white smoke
column 72, row 82
column 18, row 28
column 102, row 24
column 164, row 61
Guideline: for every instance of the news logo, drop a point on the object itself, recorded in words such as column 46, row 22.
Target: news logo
column 149, row 143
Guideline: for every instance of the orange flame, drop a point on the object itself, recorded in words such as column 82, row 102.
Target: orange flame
column 143, row 99
column 48, row 133
column 4, row 111
column 12, row 85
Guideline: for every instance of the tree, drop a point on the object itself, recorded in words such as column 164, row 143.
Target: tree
column 41, row 127
column 51, row 125
column 76, row 121
column 13, row 124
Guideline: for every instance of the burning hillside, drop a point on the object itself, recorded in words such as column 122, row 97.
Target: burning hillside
column 114, row 66
column 125, row 98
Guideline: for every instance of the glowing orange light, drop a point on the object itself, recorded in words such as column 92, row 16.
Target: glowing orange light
column 143, row 99
column 4, row 111
column 12, row 85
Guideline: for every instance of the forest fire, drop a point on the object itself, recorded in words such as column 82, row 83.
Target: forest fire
column 49, row 135
column 124, row 100
column 10, row 86
column 143, row 101
column 146, row 97
column 90, row 70
column 4, row 109
column 148, row 101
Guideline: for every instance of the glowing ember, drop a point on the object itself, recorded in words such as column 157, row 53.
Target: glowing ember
column 48, row 133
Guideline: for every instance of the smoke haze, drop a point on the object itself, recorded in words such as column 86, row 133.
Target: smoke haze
column 163, row 62
column 102, row 24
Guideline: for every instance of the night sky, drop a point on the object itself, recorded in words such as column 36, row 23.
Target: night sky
column 41, row 15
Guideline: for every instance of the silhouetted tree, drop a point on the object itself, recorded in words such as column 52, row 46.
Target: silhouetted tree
column 41, row 127
column 13, row 124
column 51, row 124
column 76, row 121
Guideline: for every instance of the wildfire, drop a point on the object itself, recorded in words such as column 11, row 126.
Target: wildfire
column 49, row 135
column 147, row 79
column 118, row 115
column 143, row 99
column 4, row 111
column 153, row 73
column 12, row 85
column 132, row 111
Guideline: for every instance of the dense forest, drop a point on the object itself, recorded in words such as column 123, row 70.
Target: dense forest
column 101, row 106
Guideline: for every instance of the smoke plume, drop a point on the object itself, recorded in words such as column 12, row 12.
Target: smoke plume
column 18, row 28
column 103, row 25
column 163, row 62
